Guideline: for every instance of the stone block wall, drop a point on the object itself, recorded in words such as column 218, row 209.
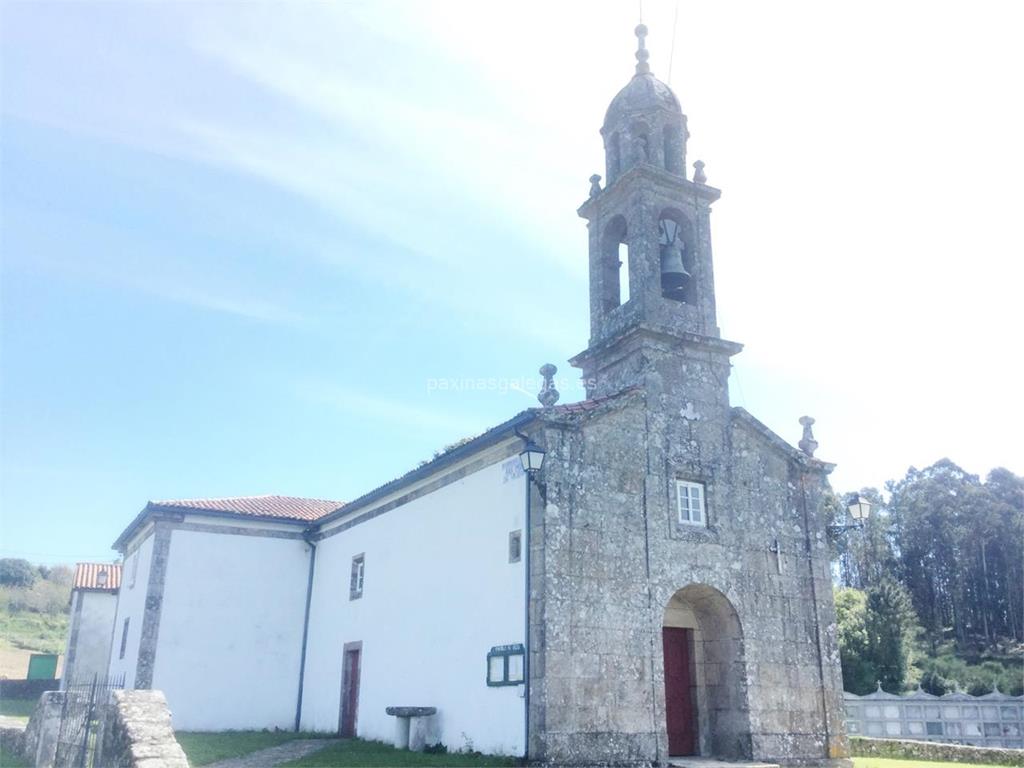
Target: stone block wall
column 138, row 734
column 903, row 749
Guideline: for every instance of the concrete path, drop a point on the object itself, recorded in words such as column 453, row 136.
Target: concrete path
column 282, row 753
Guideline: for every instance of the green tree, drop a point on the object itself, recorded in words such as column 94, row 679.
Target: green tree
column 859, row 673
column 877, row 632
column 15, row 572
column 866, row 556
column 958, row 544
column 892, row 629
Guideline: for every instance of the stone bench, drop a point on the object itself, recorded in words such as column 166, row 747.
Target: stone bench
column 414, row 726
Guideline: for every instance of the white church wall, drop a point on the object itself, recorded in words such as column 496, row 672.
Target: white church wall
column 131, row 603
column 439, row 592
column 230, row 636
column 92, row 626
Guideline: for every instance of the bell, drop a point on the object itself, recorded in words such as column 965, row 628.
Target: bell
column 673, row 274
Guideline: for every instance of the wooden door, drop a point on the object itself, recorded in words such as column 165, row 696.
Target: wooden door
column 349, row 689
column 680, row 714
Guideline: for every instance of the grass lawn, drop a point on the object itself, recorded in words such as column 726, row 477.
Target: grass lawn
column 203, row 748
column 7, row 760
column 885, row 762
column 17, row 707
column 356, row 753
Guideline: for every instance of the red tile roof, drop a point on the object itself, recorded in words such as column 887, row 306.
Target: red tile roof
column 285, row 507
column 87, row 576
column 587, row 405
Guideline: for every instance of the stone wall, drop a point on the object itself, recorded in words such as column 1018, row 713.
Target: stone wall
column 27, row 689
column 40, row 745
column 928, row 750
column 138, row 733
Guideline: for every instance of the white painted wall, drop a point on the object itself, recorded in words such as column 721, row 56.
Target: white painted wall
column 439, row 592
column 131, row 601
column 91, row 627
column 231, row 630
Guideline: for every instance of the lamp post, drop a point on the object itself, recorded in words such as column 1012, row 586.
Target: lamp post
column 859, row 509
column 532, row 459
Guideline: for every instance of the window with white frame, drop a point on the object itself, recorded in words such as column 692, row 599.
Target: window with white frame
column 355, row 586
column 690, row 503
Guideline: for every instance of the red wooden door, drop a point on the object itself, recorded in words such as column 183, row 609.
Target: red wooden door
column 349, row 692
column 679, row 710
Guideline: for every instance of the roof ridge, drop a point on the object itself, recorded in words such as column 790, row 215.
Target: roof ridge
column 243, row 498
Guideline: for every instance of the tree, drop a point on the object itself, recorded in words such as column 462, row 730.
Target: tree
column 859, row 673
column 892, row 629
column 958, row 545
column 61, row 574
column 866, row 556
column 877, row 632
column 15, row 572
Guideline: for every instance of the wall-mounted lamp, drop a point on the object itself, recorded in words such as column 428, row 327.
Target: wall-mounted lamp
column 859, row 509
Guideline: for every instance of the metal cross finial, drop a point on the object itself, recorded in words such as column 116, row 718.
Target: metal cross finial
column 642, row 54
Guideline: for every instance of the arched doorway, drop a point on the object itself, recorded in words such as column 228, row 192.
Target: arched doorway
column 706, row 710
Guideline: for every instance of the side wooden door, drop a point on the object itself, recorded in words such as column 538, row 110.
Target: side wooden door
column 350, row 689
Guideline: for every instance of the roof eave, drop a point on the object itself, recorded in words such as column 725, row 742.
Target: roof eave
column 479, row 443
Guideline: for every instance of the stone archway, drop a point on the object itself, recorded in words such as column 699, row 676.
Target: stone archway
column 706, row 709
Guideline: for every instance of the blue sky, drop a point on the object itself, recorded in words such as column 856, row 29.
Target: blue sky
column 243, row 242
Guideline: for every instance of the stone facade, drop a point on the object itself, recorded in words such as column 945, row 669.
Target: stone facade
column 613, row 564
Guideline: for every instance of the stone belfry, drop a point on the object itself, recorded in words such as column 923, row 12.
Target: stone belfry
column 652, row 290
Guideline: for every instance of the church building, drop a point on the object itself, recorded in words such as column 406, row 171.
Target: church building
column 633, row 578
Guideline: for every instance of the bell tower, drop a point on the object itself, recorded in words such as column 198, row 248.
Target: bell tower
column 651, row 276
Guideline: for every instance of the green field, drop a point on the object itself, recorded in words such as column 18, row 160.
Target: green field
column 7, row 760
column 203, row 748
column 356, row 753
column 39, row 632
column 885, row 762
column 17, row 707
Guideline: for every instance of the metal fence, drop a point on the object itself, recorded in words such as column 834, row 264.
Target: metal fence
column 992, row 720
column 81, row 714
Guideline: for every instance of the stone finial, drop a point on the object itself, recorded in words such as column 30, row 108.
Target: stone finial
column 548, row 395
column 595, row 185
column 642, row 54
column 699, row 176
column 807, row 443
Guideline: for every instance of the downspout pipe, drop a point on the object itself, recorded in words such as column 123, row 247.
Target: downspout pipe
column 307, row 536
column 526, row 619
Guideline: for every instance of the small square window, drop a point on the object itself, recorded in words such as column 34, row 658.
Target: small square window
column 690, row 503
column 515, row 546
column 355, row 586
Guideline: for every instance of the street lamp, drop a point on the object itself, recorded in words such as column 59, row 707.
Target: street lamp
column 858, row 509
column 531, row 457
